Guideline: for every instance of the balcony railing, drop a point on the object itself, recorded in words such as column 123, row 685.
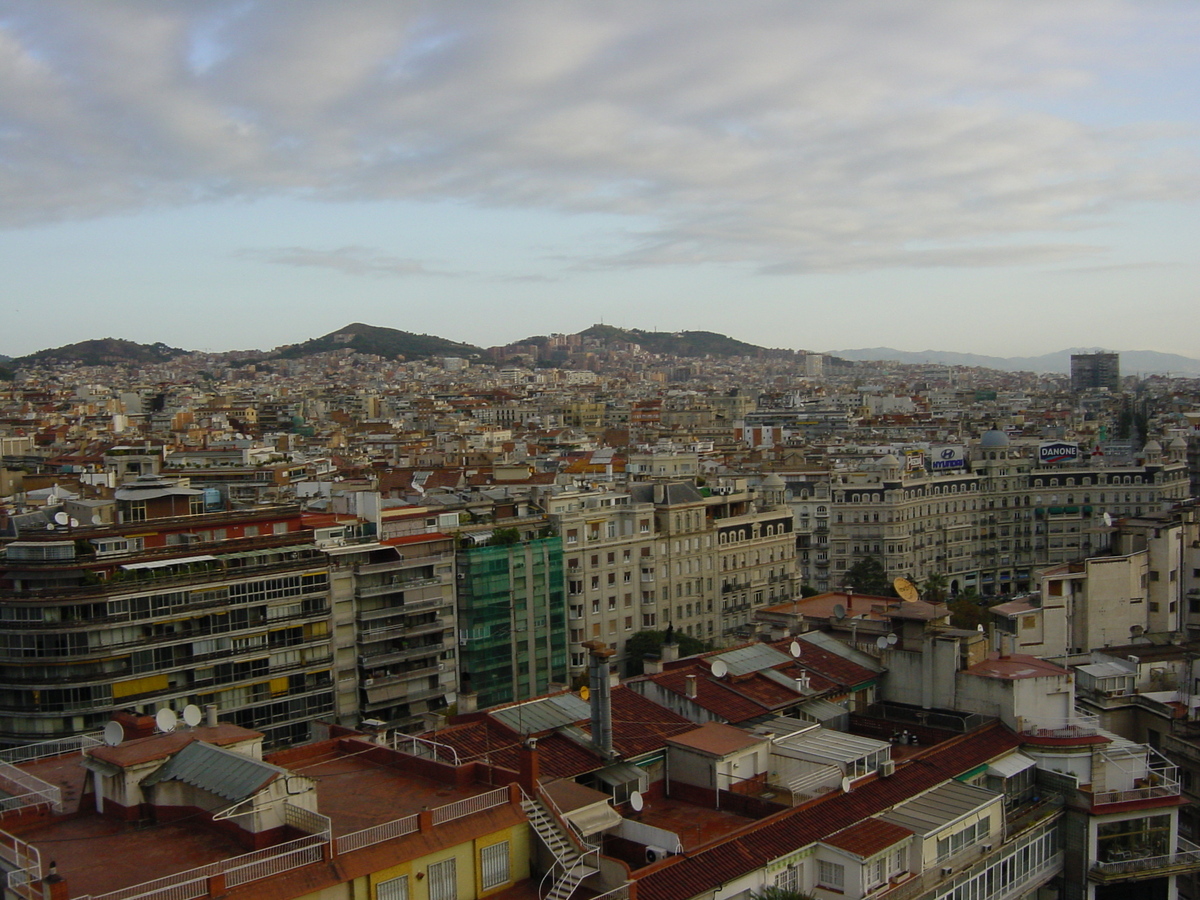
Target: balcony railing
column 1077, row 726
column 1185, row 859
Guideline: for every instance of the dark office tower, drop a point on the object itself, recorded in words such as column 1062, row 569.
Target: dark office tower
column 1095, row 370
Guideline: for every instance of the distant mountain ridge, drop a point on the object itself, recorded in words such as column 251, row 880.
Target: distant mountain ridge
column 1133, row 362
column 670, row 343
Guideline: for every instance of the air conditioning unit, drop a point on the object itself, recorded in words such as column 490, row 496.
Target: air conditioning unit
column 887, row 768
column 947, row 871
column 367, row 682
column 654, row 854
column 986, row 848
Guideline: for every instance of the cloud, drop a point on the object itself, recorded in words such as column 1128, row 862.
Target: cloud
column 782, row 136
column 346, row 260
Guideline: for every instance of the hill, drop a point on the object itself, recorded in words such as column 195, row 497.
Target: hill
column 102, row 352
column 678, row 343
column 389, row 343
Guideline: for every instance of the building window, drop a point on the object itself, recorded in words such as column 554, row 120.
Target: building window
column 831, row 875
column 392, row 889
column 493, row 861
column 443, row 880
column 791, row 878
column 136, row 511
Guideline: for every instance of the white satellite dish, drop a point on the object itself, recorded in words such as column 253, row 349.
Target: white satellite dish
column 1107, row 520
column 49, row 526
column 893, row 640
column 794, row 649
column 882, row 643
column 845, row 784
column 73, row 522
column 166, row 720
column 719, row 668
column 636, row 801
column 839, row 611
column 980, row 628
column 96, row 519
column 192, row 715
column 61, row 518
column 113, row 734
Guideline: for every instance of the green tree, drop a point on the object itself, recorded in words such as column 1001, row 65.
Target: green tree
column 645, row 643
column 867, row 576
column 770, row 892
column 504, row 537
column 807, row 590
column 967, row 613
column 934, row 588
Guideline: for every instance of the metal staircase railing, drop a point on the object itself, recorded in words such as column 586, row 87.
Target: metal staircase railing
column 575, row 858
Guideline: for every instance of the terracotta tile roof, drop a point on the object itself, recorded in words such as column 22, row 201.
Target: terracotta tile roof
column 640, row 725
column 868, row 837
column 838, row 669
column 712, row 695
column 717, row 738
column 1015, row 666
column 693, row 873
column 160, row 746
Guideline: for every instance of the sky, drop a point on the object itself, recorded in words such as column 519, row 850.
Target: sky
column 1008, row 178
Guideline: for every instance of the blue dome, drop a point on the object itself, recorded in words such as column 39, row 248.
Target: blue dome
column 993, row 440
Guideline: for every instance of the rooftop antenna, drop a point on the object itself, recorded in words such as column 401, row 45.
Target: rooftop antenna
column 192, row 715
column 113, row 734
column 906, row 589
column 165, row 720
column 794, row 649
column 719, row 668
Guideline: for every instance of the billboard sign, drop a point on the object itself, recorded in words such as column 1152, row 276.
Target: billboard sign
column 1057, row 451
column 950, row 457
column 913, row 459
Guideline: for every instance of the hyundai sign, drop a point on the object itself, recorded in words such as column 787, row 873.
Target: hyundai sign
column 1057, row 451
column 941, row 458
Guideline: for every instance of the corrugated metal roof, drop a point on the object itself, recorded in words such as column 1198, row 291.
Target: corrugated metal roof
column 754, row 658
column 216, row 770
column 544, row 714
column 833, row 746
column 940, row 807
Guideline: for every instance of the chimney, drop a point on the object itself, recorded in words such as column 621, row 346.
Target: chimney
column 530, row 773
column 601, row 694
column 210, row 715
column 660, row 493
column 690, row 687
column 669, row 652
column 652, row 665
column 54, row 886
column 468, row 702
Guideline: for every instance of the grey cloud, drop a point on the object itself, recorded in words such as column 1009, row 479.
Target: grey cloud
column 783, row 136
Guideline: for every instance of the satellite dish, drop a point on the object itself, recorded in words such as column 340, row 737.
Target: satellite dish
column 794, row 649
column 892, row 640
column 719, row 668
column 906, row 589
column 636, row 801
column 845, row 784
column 166, row 720
column 96, row 519
column 192, row 715
column 585, row 692
column 61, row 518
column 1107, row 520
column 839, row 611
column 73, row 522
column 980, row 628
column 49, row 526
column 882, row 642
column 113, row 734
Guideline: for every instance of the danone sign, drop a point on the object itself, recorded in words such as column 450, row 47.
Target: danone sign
column 1057, row 451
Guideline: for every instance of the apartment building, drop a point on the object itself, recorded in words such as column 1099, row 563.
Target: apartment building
column 986, row 525
column 164, row 609
column 512, row 611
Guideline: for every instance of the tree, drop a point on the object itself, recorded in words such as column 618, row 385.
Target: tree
column 646, row 643
column 934, row 588
column 967, row 613
column 504, row 537
column 807, row 590
column 867, row 576
column 770, row 892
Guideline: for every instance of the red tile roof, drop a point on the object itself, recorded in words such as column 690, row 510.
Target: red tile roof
column 695, row 872
column 868, row 837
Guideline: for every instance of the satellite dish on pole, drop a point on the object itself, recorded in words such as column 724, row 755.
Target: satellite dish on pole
column 1107, row 520
column 719, row 668
column 845, row 784
column 893, row 639
column 585, row 693
column 96, row 519
column 882, row 642
column 73, row 522
column 61, row 518
column 906, row 589
column 794, row 649
column 839, row 611
column 636, row 801
column 192, row 715
column 166, row 720
column 113, row 734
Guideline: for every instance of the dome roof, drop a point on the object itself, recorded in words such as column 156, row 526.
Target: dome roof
column 993, row 440
column 1152, row 446
column 1178, row 443
column 773, row 481
column 889, row 461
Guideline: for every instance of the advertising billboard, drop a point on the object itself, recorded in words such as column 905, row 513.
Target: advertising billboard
column 1057, row 451
column 949, row 457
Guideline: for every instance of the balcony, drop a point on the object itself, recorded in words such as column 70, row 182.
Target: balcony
column 399, row 584
column 1139, row 864
column 1077, row 726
